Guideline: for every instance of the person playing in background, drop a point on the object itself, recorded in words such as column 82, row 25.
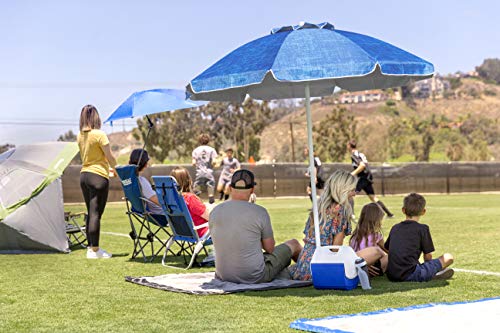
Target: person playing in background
column 408, row 240
column 203, row 158
column 335, row 217
column 199, row 212
column 368, row 232
column 318, row 172
column 97, row 160
column 365, row 177
column 240, row 231
column 140, row 157
column 229, row 165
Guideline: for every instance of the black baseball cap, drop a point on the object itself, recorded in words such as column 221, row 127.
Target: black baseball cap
column 243, row 180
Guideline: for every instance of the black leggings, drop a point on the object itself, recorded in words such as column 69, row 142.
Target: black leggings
column 95, row 191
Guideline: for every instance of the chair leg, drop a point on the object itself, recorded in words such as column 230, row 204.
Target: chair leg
column 155, row 236
column 196, row 250
column 167, row 248
column 138, row 247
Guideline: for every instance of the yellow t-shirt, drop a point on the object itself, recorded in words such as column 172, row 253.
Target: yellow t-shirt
column 93, row 158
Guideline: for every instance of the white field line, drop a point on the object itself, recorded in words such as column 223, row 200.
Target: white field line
column 115, row 234
column 476, row 272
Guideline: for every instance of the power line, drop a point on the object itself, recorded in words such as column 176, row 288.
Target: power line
column 72, row 85
column 33, row 123
column 53, row 123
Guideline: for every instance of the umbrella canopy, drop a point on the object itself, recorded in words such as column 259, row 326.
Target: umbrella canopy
column 147, row 102
column 303, row 61
column 277, row 65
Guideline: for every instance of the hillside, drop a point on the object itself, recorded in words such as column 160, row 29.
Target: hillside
column 473, row 98
column 122, row 143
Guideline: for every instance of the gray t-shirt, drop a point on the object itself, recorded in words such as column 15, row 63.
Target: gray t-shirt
column 204, row 155
column 148, row 192
column 237, row 229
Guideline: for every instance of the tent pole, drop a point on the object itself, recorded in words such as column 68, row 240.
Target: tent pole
column 312, row 171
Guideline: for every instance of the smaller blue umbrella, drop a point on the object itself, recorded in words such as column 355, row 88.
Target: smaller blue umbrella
column 143, row 103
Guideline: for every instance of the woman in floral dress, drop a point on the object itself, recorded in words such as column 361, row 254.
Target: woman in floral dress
column 335, row 217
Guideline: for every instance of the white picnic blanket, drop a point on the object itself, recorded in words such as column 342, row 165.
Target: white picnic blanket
column 475, row 316
column 207, row 284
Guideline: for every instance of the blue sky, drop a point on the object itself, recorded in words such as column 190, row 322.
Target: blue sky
column 56, row 56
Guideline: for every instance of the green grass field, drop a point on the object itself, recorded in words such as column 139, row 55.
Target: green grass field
column 67, row 292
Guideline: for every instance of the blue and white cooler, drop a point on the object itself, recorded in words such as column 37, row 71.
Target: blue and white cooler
column 333, row 267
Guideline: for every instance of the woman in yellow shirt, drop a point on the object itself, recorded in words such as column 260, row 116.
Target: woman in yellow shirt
column 94, row 177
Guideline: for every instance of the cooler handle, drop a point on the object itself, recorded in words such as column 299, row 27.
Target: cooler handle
column 331, row 247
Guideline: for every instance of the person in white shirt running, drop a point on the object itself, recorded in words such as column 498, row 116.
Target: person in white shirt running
column 229, row 165
column 365, row 177
column 203, row 158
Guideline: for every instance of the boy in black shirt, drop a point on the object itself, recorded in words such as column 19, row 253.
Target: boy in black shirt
column 407, row 240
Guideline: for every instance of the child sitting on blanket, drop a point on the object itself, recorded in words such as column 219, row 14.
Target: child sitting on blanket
column 407, row 240
column 368, row 233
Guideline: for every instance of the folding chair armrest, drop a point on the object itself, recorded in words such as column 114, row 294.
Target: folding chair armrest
column 77, row 214
column 150, row 202
column 205, row 236
column 201, row 226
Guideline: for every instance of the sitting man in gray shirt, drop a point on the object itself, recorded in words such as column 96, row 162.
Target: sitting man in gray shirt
column 240, row 231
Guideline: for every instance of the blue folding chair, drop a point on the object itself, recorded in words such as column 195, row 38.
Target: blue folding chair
column 150, row 227
column 180, row 220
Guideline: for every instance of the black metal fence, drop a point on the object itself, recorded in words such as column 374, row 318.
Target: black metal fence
column 288, row 179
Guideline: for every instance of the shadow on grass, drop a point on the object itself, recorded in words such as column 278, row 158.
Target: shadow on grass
column 173, row 262
column 379, row 286
column 77, row 248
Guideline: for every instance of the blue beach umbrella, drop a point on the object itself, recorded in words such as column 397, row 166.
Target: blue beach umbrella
column 144, row 103
column 303, row 61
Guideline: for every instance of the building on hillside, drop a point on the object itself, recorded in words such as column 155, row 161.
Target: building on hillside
column 430, row 88
column 363, row 96
column 472, row 73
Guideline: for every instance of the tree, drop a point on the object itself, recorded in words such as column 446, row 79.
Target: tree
column 69, row 136
column 489, row 127
column 452, row 142
column 5, row 147
column 478, row 147
column 240, row 125
column 398, row 131
column 490, row 70
column 333, row 133
column 424, row 130
column 175, row 134
column 413, row 136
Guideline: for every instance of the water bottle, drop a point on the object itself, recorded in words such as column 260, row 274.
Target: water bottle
column 362, row 269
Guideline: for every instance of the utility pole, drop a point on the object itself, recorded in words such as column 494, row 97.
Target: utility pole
column 292, row 142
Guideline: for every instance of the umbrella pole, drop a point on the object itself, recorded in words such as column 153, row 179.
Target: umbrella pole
column 150, row 126
column 312, row 171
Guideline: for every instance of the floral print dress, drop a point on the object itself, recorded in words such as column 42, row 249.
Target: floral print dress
column 336, row 221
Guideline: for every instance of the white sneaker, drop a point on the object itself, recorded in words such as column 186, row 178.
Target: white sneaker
column 100, row 254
